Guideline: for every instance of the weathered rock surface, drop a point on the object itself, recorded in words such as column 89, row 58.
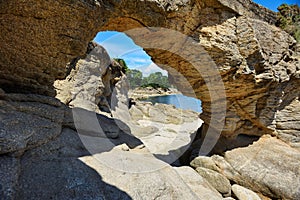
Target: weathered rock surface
column 253, row 90
column 27, row 121
column 217, row 180
column 9, row 175
column 287, row 125
column 243, row 193
column 256, row 69
column 57, row 166
column 38, row 40
column 204, row 162
column 68, row 171
column 269, row 166
column 166, row 132
column 165, row 183
column 257, row 63
column 91, row 81
column 197, row 183
column 53, row 171
column 256, row 60
column 251, row 10
column 122, row 167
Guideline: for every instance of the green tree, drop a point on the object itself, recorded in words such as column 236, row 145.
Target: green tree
column 156, row 80
column 165, row 82
column 289, row 19
column 135, row 78
column 122, row 63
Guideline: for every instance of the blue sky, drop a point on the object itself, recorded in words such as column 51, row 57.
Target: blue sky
column 273, row 4
column 119, row 45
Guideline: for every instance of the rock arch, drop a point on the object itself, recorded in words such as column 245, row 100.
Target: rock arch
column 257, row 61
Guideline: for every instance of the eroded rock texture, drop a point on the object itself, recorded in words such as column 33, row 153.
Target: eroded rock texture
column 91, row 80
column 27, row 121
column 38, row 38
column 268, row 166
column 256, row 60
column 42, row 155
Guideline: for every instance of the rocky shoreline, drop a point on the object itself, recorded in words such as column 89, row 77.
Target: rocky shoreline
column 146, row 92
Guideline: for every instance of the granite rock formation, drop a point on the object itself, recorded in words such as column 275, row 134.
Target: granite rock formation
column 91, row 81
column 258, row 65
column 38, row 39
column 268, row 166
column 244, row 193
column 256, row 60
column 54, row 139
column 43, row 155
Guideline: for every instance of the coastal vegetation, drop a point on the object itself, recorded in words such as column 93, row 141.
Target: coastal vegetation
column 289, row 19
column 136, row 79
column 154, row 80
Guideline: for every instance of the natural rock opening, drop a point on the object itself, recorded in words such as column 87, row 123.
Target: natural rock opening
column 40, row 138
column 97, row 83
column 253, row 92
column 147, row 80
column 257, row 76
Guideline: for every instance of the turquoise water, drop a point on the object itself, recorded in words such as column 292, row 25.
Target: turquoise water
column 179, row 101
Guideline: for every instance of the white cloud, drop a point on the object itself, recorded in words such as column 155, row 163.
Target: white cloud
column 114, row 49
column 118, row 45
column 139, row 60
column 152, row 68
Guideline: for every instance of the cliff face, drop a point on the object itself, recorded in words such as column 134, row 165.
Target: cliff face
column 38, row 38
column 256, row 60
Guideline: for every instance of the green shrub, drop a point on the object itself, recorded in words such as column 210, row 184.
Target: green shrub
column 122, row 63
column 289, row 19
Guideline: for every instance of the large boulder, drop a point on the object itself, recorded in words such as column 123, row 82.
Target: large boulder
column 53, row 171
column 28, row 120
column 269, row 166
column 243, row 193
column 198, row 184
column 217, row 180
column 91, row 81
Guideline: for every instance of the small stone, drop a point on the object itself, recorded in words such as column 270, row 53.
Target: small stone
column 198, row 184
column 244, row 194
column 217, row 180
column 204, row 161
column 125, row 147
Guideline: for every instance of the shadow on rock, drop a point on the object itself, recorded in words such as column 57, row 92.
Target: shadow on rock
column 55, row 171
column 40, row 160
column 100, row 133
